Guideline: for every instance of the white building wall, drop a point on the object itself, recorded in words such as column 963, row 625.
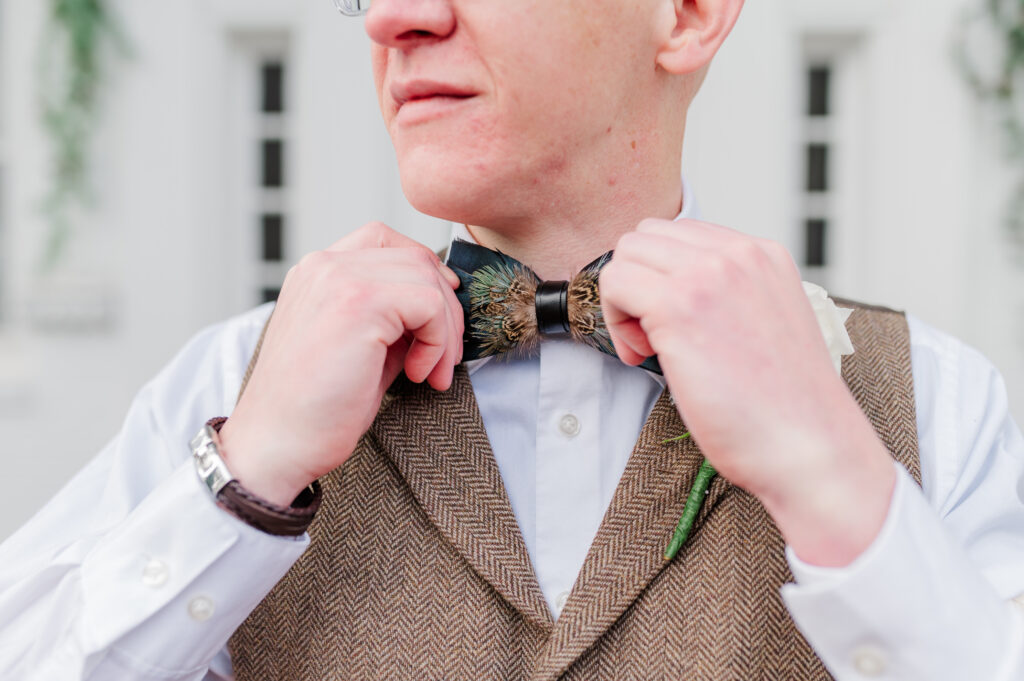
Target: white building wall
column 165, row 252
column 924, row 224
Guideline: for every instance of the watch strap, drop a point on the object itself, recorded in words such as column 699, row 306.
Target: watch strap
column 288, row 521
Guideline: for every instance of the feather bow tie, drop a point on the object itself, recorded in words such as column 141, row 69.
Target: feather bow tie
column 508, row 309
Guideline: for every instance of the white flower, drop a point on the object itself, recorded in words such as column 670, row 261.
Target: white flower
column 832, row 320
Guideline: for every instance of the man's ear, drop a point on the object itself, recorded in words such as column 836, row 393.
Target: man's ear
column 691, row 31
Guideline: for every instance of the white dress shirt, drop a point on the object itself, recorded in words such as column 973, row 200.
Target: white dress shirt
column 132, row 572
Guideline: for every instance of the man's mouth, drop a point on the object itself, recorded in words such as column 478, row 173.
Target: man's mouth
column 423, row 90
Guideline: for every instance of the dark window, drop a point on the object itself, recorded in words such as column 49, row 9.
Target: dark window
column 818, row 83
column 273, row 87
column 273, row 237
column 817, row 167
column 815, row 242
column 273, row 163
column 269, row 294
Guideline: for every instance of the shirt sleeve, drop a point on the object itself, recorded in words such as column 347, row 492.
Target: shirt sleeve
column 131, row 570
column 932, row 597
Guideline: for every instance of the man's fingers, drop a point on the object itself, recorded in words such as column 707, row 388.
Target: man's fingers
column 423, row 356
column 627, row 295
column 629, row 291
column 627, row 349
column 458, row 321
column 696, row 232
column 430, row 340
column 662, row 253
column 440, row 376
column 377, row 235
column 394, row 361
column 433, row 316
column 449, row 275
column 417, row 287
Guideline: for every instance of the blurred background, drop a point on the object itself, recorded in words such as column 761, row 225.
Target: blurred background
column 214, row 142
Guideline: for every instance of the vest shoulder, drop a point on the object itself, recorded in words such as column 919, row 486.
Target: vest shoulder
column 867, row 307
column 881, row 328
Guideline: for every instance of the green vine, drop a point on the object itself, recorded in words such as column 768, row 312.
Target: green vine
column 1001, row 82
column 79, row 35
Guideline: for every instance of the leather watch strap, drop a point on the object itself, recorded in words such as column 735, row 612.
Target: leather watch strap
column 264, row 515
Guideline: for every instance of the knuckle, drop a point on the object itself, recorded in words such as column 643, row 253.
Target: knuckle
column 375, row 231
column 749, row 251
column 355, row 295
column 608, row 279
column 428, row 298
column 314, row 262
column 629, row 245
column 421, row 256
column 777, row 252
column 688, row 297
column 434, row 299
column 698, row 301
column 376, row 227
column 649, row 224
column 717, row 271
column 728, row 270
column 667, row 303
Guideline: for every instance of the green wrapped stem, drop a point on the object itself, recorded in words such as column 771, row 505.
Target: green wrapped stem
column 675, row 439
column 693, row 504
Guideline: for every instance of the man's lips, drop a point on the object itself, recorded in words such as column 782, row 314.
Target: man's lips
column 417, row 90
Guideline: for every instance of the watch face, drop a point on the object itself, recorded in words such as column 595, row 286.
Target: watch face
column 209, row 466
column 352, row 8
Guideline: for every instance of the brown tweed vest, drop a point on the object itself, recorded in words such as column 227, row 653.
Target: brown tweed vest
column 417, row 569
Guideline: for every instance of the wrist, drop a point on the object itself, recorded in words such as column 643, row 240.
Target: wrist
column 262, row 479
column 272, row 517
column 831, row 518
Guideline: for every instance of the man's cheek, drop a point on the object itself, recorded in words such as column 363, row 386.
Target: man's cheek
column 379, row 62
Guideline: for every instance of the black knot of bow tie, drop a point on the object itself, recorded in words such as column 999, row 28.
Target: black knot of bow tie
column 508, row 309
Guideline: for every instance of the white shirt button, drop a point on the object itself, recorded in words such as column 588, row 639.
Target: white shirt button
column 569, row 425
column 560, row 601
column 154, row 574
column 200, row 608
column 869, row 660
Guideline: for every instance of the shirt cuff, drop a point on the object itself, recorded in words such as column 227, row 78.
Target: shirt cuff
column 178, row 563
column 911, row 606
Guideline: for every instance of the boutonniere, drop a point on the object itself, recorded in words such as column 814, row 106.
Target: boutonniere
column 832, row 321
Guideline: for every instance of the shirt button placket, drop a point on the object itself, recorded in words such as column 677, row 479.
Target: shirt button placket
column 568, row 474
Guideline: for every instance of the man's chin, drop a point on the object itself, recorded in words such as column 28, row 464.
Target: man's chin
column 452, row 196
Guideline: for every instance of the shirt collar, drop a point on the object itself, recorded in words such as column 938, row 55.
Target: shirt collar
column 689, row 211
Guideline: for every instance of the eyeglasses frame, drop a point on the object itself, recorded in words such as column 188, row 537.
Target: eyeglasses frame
column 352, row 8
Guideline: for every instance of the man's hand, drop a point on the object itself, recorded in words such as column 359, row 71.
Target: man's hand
column 348, row 321
column 746, row 362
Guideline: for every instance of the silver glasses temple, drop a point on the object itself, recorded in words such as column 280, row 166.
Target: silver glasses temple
column 352, row 8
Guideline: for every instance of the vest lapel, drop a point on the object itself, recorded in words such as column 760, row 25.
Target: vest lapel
column 627, row 552
column 438, row 443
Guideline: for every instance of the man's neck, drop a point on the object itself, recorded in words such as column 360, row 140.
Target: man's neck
column 558, row 247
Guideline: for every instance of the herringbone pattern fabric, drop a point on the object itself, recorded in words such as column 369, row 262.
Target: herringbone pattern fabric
column 417, row 569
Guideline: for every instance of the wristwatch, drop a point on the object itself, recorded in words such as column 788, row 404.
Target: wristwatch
column 229, row 493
